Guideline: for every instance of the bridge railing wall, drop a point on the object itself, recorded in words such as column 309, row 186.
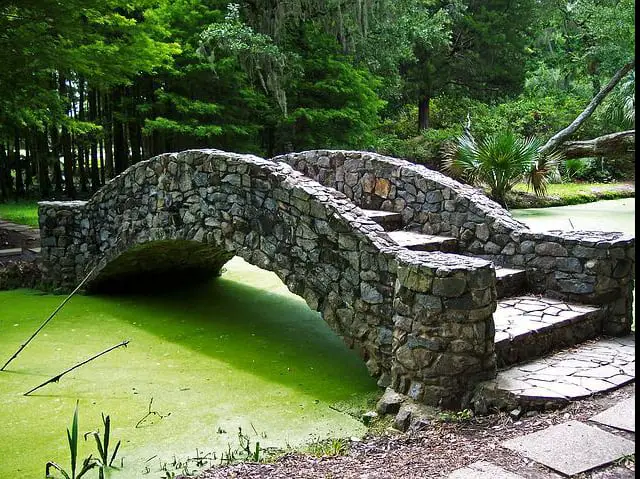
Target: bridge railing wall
column 585, row 267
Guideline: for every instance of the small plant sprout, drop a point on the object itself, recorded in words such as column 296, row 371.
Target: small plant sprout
column 456, row 416
column 253, row 454
column 88, row 463
column 103, row 445
column 151, row 413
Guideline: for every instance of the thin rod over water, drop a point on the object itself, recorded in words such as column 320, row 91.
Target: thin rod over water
column 55, row 379
column 24, row 345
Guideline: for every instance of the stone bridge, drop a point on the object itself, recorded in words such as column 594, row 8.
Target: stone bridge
column 407, row 265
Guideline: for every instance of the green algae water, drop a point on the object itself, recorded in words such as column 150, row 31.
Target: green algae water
column 608, row 215
column 238, row 352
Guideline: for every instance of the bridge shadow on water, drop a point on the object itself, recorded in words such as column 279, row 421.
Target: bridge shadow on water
column 273, row 335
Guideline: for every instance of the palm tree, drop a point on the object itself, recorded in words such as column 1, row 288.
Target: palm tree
column 500, row 161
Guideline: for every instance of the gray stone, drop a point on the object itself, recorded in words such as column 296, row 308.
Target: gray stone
column 403, row 419
column 390, row 402
column 572, row 447
column 299, row 216
column 550, row 249
column 620, row 416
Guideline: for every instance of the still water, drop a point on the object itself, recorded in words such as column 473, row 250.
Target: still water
column 239, row 352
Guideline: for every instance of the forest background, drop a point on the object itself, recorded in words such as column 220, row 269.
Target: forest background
column 90, row 87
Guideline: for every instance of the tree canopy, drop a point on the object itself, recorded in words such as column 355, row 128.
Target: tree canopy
column 90, row 87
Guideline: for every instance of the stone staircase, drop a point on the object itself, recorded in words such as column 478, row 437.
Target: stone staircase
column 548, row 351
column 392, row 222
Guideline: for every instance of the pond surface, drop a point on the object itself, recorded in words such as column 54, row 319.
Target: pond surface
column 240, row 351
column 609, row 215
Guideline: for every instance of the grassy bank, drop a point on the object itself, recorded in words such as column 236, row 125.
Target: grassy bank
column 564, row 194
column 21, row 212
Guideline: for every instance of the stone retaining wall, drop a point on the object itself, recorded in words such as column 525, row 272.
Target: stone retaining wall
column 586, row 267
column 422, row 322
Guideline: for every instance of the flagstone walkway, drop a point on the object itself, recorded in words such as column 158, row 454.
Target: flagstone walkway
column 570, row 448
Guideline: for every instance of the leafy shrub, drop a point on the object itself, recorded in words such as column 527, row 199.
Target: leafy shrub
column 499, row 162
column 574, row 168
column 424, row 149
column 600, row 170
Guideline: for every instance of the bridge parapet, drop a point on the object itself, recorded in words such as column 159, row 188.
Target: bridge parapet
column 443, row 330
column 587, row 267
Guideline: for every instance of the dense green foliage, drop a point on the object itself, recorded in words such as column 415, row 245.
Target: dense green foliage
column 90, row 87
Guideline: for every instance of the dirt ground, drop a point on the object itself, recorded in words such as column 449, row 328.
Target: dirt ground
column 438, row 449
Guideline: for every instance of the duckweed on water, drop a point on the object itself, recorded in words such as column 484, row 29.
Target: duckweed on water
column 238, row 352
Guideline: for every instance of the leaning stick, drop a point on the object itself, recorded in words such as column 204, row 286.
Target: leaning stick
column 55, row 379
column 24, row 345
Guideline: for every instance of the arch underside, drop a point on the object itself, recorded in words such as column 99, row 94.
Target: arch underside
column 159, row 266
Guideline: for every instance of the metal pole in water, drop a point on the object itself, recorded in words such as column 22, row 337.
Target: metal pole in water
column 24, row 345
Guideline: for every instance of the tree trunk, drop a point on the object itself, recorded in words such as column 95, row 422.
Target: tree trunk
column 562, row 135
column 119, row 141
column 423, row 112
column 67, row 152
column 4, row 168
column 621, row 144
column 28, row 162
column 17, row 164
column 55, row 148
column 108, row 136
column 82, row 164
column 42, row 154
column 134, row 138
column 93, row 115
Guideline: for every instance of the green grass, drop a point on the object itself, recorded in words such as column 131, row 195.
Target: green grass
column 563, row 194
column 21, row 212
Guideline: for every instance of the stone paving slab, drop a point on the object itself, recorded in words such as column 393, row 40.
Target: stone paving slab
column 423, row 242
column 620, row 416
column 10, row 252
column 482, row 470
column 592, row 367
column 529, row 326
column 572, row 447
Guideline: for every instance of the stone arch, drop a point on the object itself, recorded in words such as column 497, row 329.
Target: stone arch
column 267, row 213
column 421, row 321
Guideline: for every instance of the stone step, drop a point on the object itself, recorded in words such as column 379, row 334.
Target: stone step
column 595, row 366
column 423, row 242
column 510, row 282
column 530, row 326
column 389, row 220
